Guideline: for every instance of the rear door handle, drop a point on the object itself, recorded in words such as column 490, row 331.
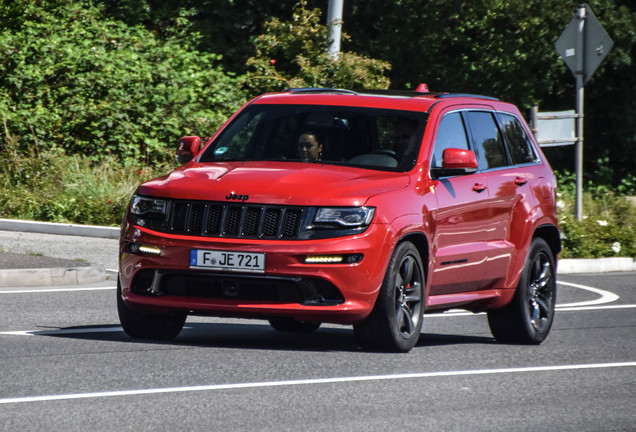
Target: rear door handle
column 520, row 181
column 478, row 187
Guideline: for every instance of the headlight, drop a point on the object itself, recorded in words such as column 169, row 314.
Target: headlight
column 148, row 207
column 349, row 217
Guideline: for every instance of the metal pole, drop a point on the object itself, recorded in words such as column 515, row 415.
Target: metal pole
column 580, row 66
column 534, row 118
column 334, row 23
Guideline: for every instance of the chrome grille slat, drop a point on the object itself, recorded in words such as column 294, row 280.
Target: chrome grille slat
column 232, row 220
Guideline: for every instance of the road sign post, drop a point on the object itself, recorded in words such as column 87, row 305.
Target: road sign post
column 580, row 65
column 583, row 45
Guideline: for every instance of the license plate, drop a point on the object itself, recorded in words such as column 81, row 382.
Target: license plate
column 227, row 260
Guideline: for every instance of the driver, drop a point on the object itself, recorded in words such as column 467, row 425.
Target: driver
column 310, row 146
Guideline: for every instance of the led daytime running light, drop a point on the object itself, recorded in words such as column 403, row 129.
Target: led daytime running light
column 323, row 259
column 354, row 258
column 150, row 250
column 137, row 248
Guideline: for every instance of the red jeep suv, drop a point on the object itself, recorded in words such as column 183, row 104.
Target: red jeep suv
column 368, row 208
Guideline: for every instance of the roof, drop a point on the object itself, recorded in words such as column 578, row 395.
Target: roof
column 389, row 99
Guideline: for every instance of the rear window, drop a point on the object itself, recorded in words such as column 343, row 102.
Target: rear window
column 517, row 141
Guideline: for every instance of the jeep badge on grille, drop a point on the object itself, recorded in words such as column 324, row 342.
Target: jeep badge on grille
column 233, row 196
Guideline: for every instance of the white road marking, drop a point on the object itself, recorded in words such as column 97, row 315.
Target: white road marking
column 606, row 296
column 63, row 331
column 69, row 331
column 216, row 387
column 50, row 290
column 560, row 308
column 589, row 308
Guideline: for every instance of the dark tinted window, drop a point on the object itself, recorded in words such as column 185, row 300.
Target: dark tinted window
column 382, row 139
column 517, row 140
column 488, row 143
column 451, row 134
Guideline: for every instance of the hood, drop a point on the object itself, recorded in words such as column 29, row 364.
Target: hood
column 277, row 183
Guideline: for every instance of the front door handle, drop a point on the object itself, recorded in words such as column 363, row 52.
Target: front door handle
column 478, row 187
column 520, row 181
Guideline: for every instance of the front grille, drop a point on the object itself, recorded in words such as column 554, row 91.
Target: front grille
column 216, row 219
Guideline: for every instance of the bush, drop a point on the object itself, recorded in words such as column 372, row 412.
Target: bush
column 56, row 187
column 608, row 226
column 293, row 54
column 74, row 80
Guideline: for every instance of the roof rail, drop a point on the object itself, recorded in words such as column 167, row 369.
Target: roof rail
column 392, row 92
column 387, row 92
column 470, row 95
column 319, row 90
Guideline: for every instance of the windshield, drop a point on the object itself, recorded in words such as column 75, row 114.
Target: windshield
column 371, row 138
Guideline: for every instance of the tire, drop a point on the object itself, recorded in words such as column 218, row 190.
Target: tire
column 396, row 320
column 528, row 318
column 145, row 325
column 287, row 324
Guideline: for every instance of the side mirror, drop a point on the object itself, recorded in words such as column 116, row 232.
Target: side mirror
column 456, row 162
column 188, row 148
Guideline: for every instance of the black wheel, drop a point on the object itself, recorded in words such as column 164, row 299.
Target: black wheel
column 144, row 325
column 396, row 319
column 287, row 324
column 529, row 316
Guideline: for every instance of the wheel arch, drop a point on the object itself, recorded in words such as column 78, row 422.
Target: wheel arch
column 420, row 241
column 552, row 237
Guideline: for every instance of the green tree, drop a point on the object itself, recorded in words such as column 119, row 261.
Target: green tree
column 227, row 27
column 505, row 48
column 294, row 54
column 76, row 81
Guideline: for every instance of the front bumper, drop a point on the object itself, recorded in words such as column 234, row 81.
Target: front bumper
column 339, row 293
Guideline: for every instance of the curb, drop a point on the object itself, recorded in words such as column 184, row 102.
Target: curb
column 20, row 278
column 57, row 276
column 595, row 265
column 57, row 228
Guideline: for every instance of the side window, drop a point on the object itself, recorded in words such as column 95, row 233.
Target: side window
column 451, row 134
column 517, row 140
column 488, row 143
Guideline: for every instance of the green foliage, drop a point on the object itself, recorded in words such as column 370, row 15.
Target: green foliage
column 608, row 226
column 67, row 188
column 226, row 26
column 93, row 86
column 293, row 54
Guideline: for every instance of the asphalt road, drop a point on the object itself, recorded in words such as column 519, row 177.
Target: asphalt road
column 67, row 366
column 101, row 251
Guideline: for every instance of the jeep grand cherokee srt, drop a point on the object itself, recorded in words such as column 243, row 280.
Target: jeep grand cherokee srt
column 315, row 206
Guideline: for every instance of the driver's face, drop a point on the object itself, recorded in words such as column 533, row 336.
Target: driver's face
column 308, row 148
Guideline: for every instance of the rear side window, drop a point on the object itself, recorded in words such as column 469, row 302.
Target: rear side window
column 451, row 134
column 517, row 140
column 489, row 145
